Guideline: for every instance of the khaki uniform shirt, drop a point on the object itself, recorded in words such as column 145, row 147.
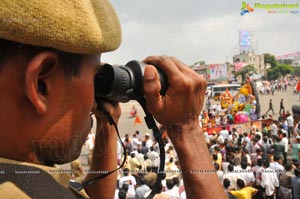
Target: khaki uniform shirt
column 9, row 190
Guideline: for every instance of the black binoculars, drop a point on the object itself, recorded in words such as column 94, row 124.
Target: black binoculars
column 124, row 83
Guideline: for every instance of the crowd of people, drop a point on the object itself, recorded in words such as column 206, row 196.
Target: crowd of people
column 263, row 162
column 143, row 160
column 260, row 163
column 269, row 88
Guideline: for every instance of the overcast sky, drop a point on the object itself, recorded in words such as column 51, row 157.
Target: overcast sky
column 195, row 30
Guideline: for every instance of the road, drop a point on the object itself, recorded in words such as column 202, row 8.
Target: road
column 126, row 123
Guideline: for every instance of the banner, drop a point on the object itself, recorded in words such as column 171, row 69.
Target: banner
column 217, row 72
column 241, row 128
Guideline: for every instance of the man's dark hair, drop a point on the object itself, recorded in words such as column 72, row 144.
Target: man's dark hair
column 266, row 163
column 169, row 183
column 244, row 164
column 258, row 150
column 288, row 166
column 217, row 148
column 149, row 169
column 265, row 139
column 257, row 136
column 244, row 159
column 217, row 167
column 259, row 162
column 126, row 171
column 151, row 148
column 240, row 183
column 142, row 180
column 283, row 134
column 139, row 150
column 132, row 155
column 70, row 62
column 276, row 158
column 230, row 167
column 245, row 150
column 145, row 157
column 176, row 181
column 226, row 183
column 215, row 157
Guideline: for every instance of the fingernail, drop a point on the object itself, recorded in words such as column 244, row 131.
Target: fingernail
column 149, row 73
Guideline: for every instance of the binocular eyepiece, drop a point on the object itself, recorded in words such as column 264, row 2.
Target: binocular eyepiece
column 124, row 83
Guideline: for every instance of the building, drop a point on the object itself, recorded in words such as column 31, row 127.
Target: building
column 252, row 59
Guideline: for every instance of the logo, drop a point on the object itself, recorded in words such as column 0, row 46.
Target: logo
column 246, row 8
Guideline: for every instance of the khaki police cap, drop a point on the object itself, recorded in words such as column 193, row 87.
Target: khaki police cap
column 77, row 26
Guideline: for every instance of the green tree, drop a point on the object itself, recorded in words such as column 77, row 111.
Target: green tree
column 285, row 61
column 248, row 69
column 273, row 73
column 297, row 71
column 280, row 70
column 268, row 58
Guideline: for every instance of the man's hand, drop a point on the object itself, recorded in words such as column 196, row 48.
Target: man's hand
column 178, row 110
column 184, row 98
column 112, row 108
column 105, row 152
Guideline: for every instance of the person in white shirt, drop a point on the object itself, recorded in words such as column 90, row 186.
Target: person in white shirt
column 285, row 142
column 217, row 120
column 148, row 140
column 280, row 127
column 269, row 179
column 172, row 190
column 277, row 166
column 128, row 179
column 296, row 130
column 246, row 173
column 171, row 169
column 290, row 121
column 142, row 189
column 219, row 172
column 246, row 155
column 152, row 155
column 274, row 128
column 139, row 155
column 135, row 142
column 224, row 133
column 232, row 176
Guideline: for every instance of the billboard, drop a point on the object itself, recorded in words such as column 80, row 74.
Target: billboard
column 217, row 72
column 245, row 42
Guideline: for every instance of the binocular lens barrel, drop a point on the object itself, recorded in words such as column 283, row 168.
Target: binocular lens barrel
column 124, row 83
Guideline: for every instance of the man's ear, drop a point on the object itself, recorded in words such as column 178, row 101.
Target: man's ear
column 37, row 71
